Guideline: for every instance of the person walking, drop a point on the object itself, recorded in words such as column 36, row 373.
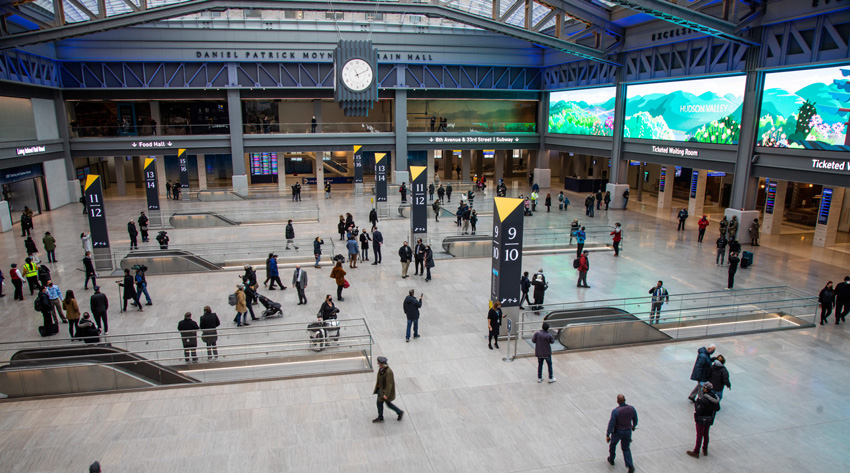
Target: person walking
column 733, row 268
column 99, row 304
column 85, row 238
column 561, row 201
column 377, row 243
column 142, row 284
column 659, row 297
column 209, row 334
column 411, row 308
column 55, row 296
column 251, row 298
column 435, row 206
column 50, row 247
column 143, row 227
column 405, row 253
column 188, row 329
column 89, row 270
column 524, row 287
column 721, row 250
column 719, row 377
column 441, row 193
column 429, row 262
column 17, row 282
column 842, row 300
column 581, row 237
column 327, row 190
column 290, row 235
column 274, row 274
column 241, row 306
column 129, row 287
column 588, row 205
column 702, row 224
column 338, row 274
column 583, row 268
column 701, row 372
column 754, row 232
column 385, row 390
column 134, row 233
column 29, row 244
column 494, row 323
column 540, row 286
column 618, row 237
column 299, row 280
column 373, row 217
column 683, row 215
column 623, row 422
column 543, row 341
column 353, row 251
column 449, row 192
column 364, row 246
column 317, row 251
column 574, row 228
column 705, row 409
column 72, row 312
column 826, row 299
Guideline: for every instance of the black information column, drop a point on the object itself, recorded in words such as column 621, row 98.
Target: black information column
column 97, row 222
column 418, row 205
column 184, row 174
column 507, row 252
column 380, row 177
column 358, row 165
column 152, row 192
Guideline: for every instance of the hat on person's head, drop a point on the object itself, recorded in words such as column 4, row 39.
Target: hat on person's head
column 94, row 467
column 708, row 385
column 382, row 360
column 96, row 288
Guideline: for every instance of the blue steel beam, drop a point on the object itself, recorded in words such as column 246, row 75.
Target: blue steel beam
column 197, row 6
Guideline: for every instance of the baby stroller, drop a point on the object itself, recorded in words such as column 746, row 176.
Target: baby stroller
column 272, row 308
column 322, row 333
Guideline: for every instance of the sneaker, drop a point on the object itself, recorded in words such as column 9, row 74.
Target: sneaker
column 377, row 420
column 539, row 380
column 552, row 380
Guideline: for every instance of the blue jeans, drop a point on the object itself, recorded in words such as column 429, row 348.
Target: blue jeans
column 548, row 361
column 719, row 395
column 143, row 288
column 318, row 259
column 624, row 436
column 240, row 317
column 415, row 324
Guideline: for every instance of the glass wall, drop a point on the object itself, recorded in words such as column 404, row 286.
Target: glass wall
column 296, row 116
column 137, row 118
column 463, row 116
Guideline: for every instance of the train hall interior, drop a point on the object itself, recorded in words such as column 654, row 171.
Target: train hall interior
column 596, row 188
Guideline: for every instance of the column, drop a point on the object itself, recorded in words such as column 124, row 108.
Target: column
column 74, row 190
column 400, row 154
column 619, row 166
column 466, row 159
column 320, row 171
column 281, row 175
column 479, row 162
column 430, row 164
column 155, row 116
column 774, row 208
column 160, row 178
column 120, row 179
column 665, row 193
column 317, row 112
column 202, row 172
column 138, row 175
column 696, row 200
column 825, row 233
column 542, row 171
column 5, row 220
column 448, row 164
column 499, row 166
column 237, row 145
column 745, row 185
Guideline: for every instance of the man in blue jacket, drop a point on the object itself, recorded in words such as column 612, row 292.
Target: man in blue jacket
column 624, row 420
column 274, row 274
column 702, row 369
column 411, row 311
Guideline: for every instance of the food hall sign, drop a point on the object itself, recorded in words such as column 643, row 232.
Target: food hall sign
column 283, row 55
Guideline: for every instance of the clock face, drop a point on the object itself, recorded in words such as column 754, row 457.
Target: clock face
column 357, row 75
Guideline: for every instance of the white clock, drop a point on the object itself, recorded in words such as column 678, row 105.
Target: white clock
column 357, row 75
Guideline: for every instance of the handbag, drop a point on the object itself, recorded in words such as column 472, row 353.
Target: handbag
column 345, row 284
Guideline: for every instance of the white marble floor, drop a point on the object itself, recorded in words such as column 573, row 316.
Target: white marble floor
column 467, row 410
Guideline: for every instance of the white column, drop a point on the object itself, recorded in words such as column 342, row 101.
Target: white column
column 320, row 171
column 156, row 117
column 772, row 222
column 825, row 234
column 542, row 172
column 120, row 179
column 696, row 204
column 281, row 174
column 5, row 219
column 430, row 168
column 665, row 197
column 202, row 172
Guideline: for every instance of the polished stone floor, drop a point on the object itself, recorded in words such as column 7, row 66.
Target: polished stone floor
column 467, row 410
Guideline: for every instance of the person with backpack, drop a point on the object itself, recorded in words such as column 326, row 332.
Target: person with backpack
column 142, row 284
column 705, row 409
column 561, row 201
column 581, row 236
column 583, row 267
column 42, row 304
column 403, row 190
column 238, row 301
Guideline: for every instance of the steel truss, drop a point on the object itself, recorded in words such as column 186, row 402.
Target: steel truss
column 26, row 68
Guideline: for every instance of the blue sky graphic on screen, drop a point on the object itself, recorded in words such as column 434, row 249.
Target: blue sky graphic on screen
column 702, row 110
column 806, row 109
column 582, row 112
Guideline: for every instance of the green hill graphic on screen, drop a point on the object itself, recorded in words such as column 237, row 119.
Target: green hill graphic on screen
column 582, row 111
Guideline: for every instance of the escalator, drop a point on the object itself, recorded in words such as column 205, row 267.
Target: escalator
column 79, row 369
column 168, row 261
column 601, row 326
column 336, row 168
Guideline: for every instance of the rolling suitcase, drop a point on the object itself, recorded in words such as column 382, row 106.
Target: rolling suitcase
column 747, row 259
column 46, row 331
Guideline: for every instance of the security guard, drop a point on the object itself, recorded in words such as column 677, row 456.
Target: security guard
column 31, row 273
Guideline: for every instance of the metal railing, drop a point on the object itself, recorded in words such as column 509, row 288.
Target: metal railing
column 598, row 236
column 324, row 127
column 246, row 353
column 148, row 131
column 246, row 213
column 423, row 124
column 685, row 316
column 271, row 192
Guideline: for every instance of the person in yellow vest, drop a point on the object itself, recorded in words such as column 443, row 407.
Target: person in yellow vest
column 31, row 273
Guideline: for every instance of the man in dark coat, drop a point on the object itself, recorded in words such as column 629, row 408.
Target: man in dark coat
column 299, row 280
column 290, row 235
column 524, row 286
column 209, row 323
column 143, row 227
column 129, row 286
column 494, row 323
column 373, row 218
column 385, row 390
column 377, row 243
column 90, row 272
column 701, row 369
column 405, row 253
column 540, row 286
column 134, row 233
column 842, row 300
column 99, row 305
column 411, row 310
column 623, row 422
column 188, row 329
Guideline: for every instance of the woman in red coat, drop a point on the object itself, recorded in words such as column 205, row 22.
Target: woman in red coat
column 618, row 237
